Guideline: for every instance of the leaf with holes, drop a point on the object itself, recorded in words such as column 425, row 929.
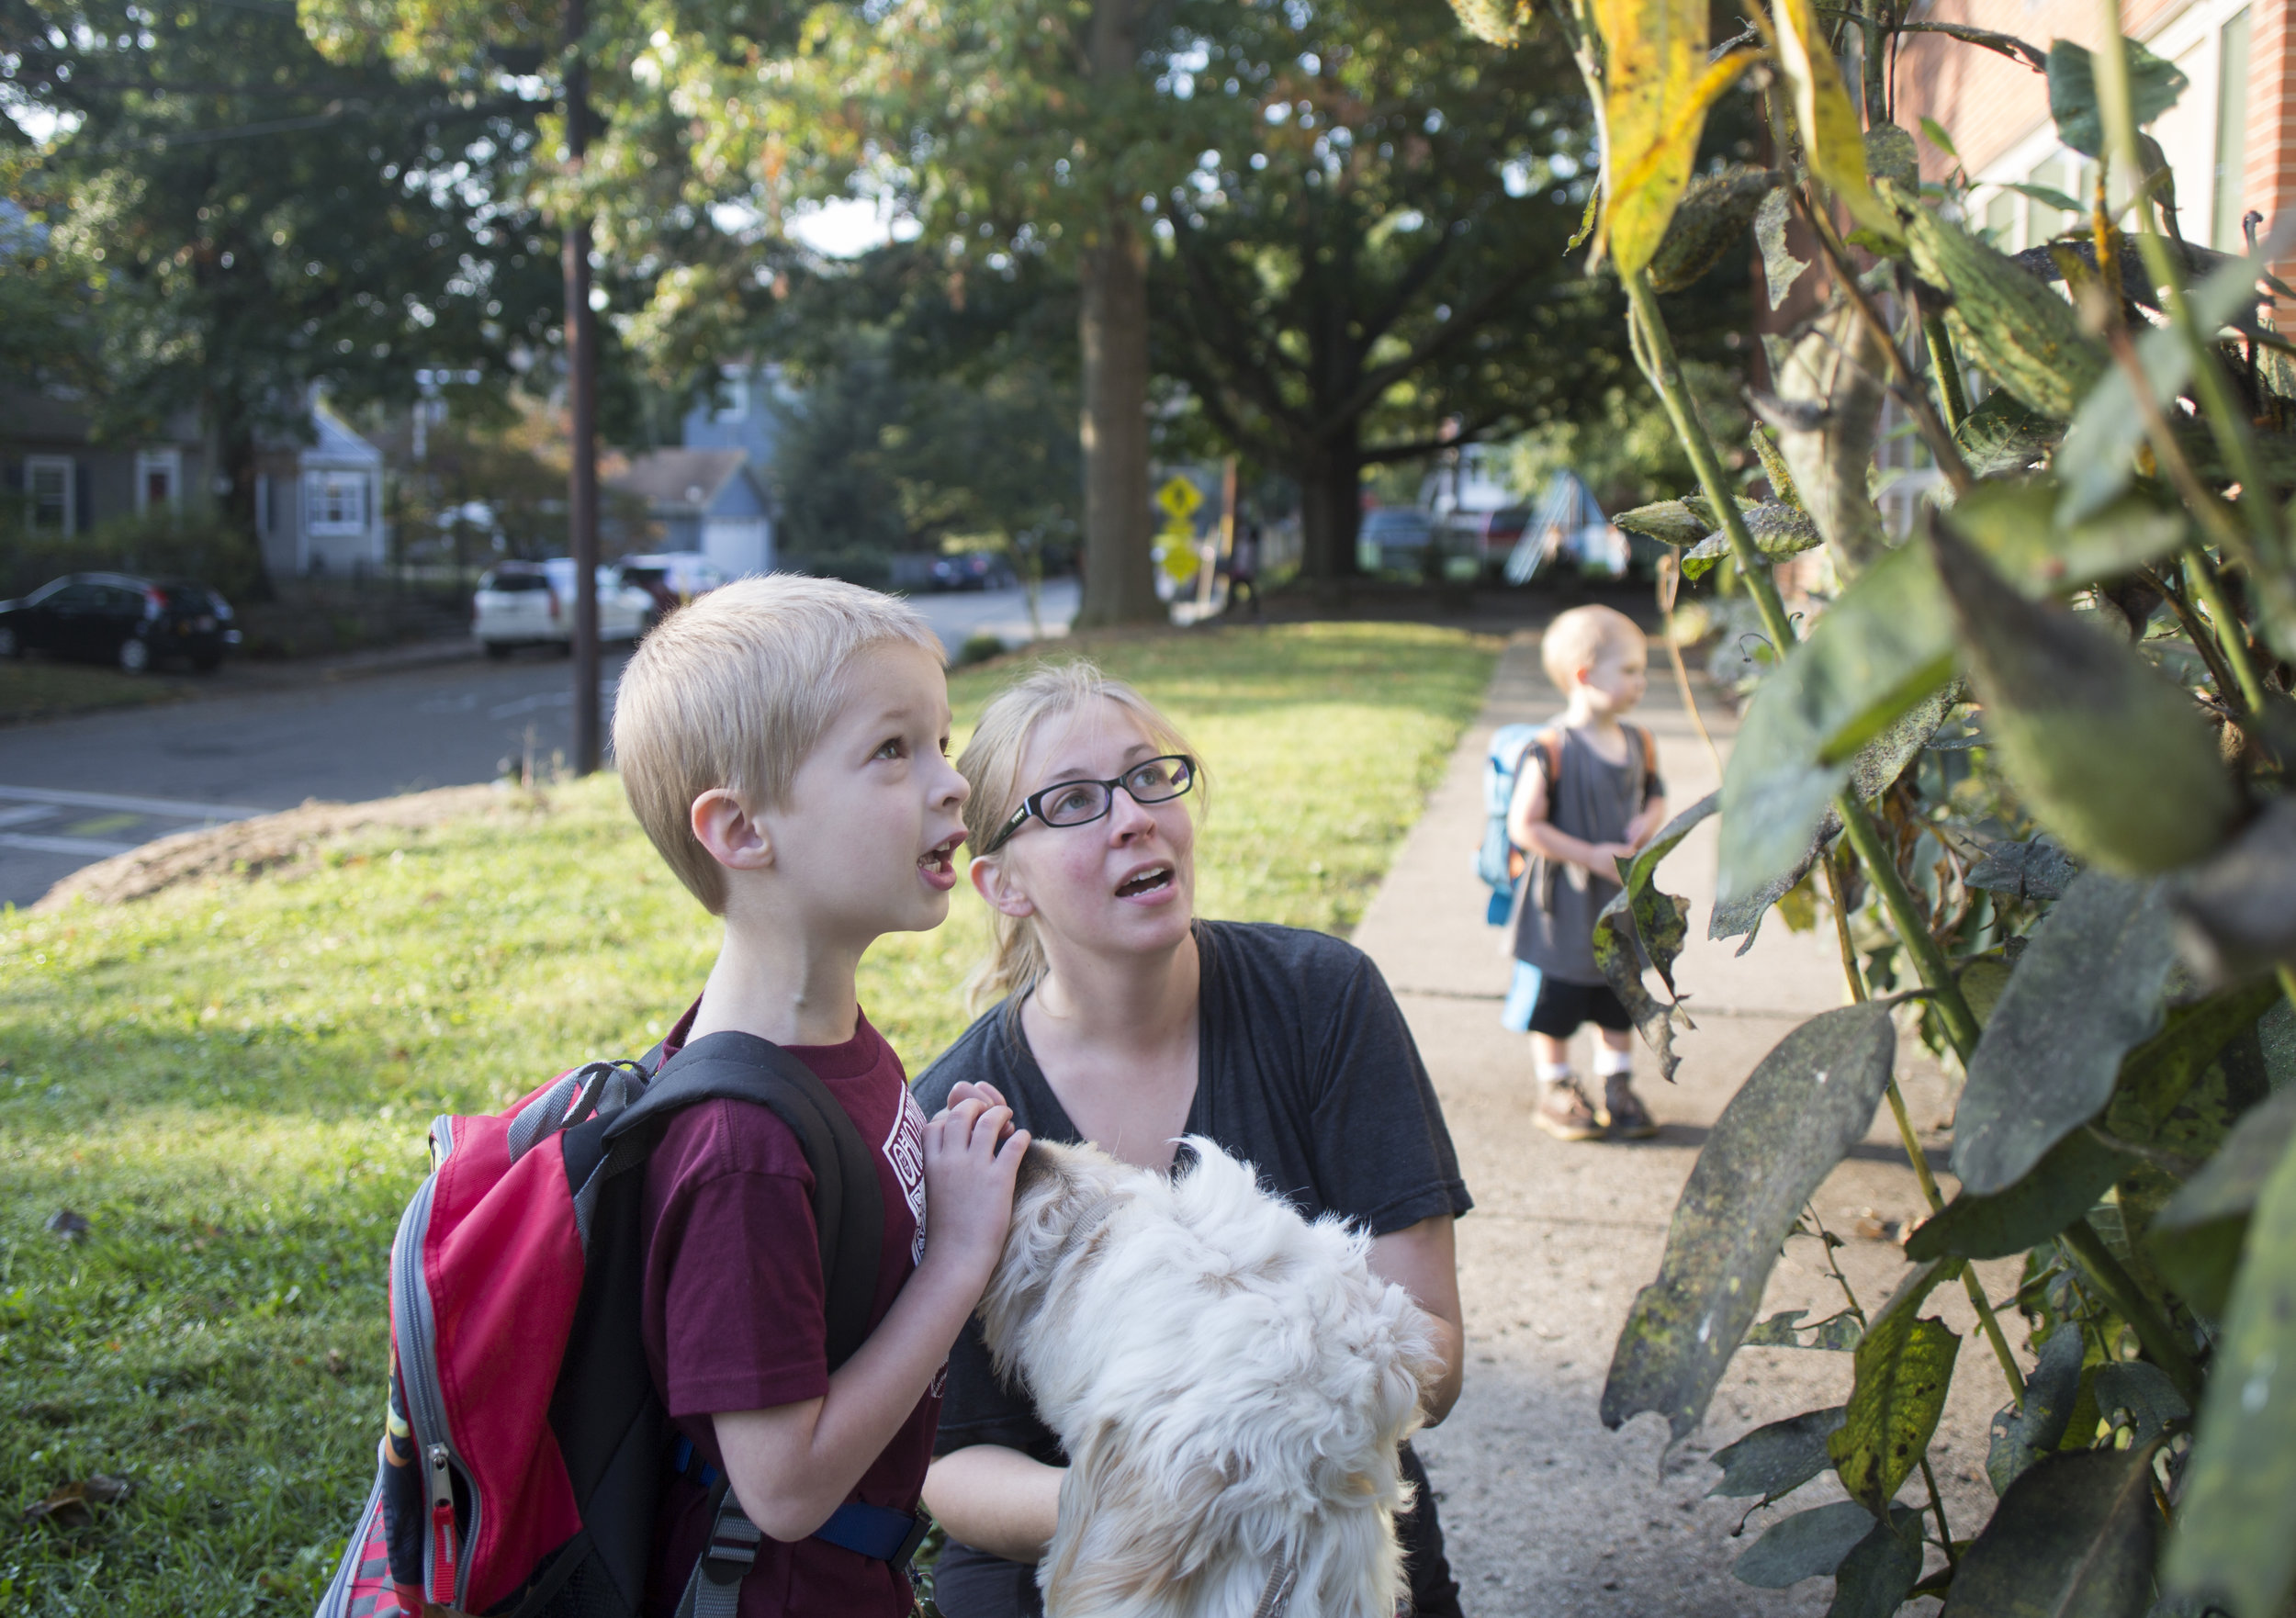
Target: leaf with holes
column 1804, row 1107
column 1709, row 221
column 2024, row 1435
column 1904, row 1368
column 1881, row 1569
column 1808, row 1545
column 2063, row 1187
column 2074, row 1535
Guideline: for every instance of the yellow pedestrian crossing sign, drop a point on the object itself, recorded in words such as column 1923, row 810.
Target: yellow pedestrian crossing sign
column 1179, row 498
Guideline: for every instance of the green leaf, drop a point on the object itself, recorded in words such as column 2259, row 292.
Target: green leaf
column 1708, row 222
column 2154, row 86
column 1655, row 921
column 1890, row 155
column 1780, row 268
column 1904, row 1368
column 1803, row 1107
column 2088, row 988
column 2142, row 1393
column 1808, row 1545
column 1667, row 522
column 2066, row 708
column 2159, row 1072
column 2024, row 335
column 1831, row 139
column 2002, row 435
column 1775, row 1460
column 2023, row 1436
column 2198, row 1237
column 1779, row 531
column 1827, row 413
column 2072, row 1536
column 2236, row 1517
column 1839, row 1333
column 2008, row 45
column 1939, row 138
column 2099, row 454
column 2030, row 869
column 1881, row 1569
column 2063, row 1186
column 1885, row 645
column 2241, row 905
column 2053, row 197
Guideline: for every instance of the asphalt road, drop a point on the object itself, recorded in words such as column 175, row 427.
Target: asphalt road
column 76, row 791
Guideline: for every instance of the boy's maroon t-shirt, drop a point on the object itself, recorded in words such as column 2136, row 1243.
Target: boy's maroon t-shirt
column 734, row 1313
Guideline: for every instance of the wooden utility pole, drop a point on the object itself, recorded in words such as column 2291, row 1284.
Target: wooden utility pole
column 581, row 388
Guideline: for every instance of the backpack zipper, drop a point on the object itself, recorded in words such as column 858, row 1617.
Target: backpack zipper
column 444, row 1572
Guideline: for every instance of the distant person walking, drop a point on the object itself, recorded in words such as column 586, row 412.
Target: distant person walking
column 1244, row 569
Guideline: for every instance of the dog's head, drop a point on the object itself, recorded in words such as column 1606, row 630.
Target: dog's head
column 1063, row 1192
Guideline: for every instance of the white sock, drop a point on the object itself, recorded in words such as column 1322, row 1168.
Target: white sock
column 1610, row 1064
column 1552, row 1073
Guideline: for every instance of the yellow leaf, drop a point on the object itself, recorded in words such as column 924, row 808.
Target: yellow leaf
column 1832, row 138
column 1652, row 49
column 1681, row 136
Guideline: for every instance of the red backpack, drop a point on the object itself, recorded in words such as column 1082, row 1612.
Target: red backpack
column 526, row 1446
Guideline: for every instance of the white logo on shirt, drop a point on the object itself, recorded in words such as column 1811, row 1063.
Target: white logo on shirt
column 905, row 1150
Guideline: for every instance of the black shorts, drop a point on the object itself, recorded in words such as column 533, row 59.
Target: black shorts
column 1562, row 1007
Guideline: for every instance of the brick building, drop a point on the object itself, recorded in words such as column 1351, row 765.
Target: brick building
column 2230, row 139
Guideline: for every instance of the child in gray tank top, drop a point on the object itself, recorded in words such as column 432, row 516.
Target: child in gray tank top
column 1588, row 796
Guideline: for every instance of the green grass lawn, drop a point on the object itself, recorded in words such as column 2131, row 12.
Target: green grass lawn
column 230, row 1082
column 31, row 691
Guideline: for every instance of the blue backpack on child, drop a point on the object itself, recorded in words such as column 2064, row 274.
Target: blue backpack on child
column 1499, row 862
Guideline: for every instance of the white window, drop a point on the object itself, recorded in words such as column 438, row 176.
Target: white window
column 48, row 503
column 335, row 502
column 159, row 479
column 2230, row 180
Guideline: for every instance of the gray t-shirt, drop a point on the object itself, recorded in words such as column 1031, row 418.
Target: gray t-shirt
column 1305, row 1068
column 1593, row 799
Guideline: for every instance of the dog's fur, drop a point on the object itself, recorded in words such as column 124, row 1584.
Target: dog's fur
column 1230, row 1381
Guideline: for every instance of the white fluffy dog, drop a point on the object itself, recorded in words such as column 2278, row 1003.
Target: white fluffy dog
column 1231, row 1383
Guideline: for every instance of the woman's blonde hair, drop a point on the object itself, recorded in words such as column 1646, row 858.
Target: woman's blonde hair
column 992, row 761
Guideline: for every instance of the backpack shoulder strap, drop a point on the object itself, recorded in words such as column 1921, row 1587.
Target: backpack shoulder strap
column 1549, row 745
column 1649, row 757
column 848, row 1207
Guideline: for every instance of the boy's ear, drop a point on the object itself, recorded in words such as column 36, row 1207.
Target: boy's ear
column 995, row 883
column 733, row 836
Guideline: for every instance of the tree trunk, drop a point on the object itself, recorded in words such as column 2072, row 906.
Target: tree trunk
column 581, row 389
column 1120, row 584
column 1331, row 509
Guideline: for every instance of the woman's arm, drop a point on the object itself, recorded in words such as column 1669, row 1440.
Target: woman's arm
column 996, row 1499
column 1422, row 1261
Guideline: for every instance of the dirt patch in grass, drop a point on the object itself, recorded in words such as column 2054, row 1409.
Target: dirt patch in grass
column 273, row 842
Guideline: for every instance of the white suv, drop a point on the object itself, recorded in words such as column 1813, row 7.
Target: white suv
column 532, row 603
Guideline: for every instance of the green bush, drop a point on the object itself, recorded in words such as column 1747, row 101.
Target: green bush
column 205, row 545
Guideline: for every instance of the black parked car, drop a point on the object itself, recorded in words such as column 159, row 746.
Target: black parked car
column 135, row 623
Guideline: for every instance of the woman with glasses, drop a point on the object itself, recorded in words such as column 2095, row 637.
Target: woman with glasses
column 1115, row 1016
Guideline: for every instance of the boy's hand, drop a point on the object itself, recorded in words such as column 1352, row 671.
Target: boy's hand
column 987, row 1095
column 1610, row 854
column 968, row 1183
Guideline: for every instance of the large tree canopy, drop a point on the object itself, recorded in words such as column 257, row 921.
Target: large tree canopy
column 1366, row 262
column 245, row 217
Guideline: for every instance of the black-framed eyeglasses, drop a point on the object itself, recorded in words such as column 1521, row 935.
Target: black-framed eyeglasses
column 1080, row 803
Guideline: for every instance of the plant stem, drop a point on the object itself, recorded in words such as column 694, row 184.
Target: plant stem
column 1666, row 375
column 2226, row 623
column 1909, row 391
column 1937, row 1507
column 1948, row 369
column 1923, row 1172
column 1928, row 961
column 1668, row 582
column 2260, row 546
column 2128, row 1300
column 2203, row 640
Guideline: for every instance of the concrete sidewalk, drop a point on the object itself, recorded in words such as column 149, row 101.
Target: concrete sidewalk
column 1548, row 1514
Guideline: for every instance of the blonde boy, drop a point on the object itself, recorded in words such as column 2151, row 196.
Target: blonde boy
column 783, row 741
column 1588, row 796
